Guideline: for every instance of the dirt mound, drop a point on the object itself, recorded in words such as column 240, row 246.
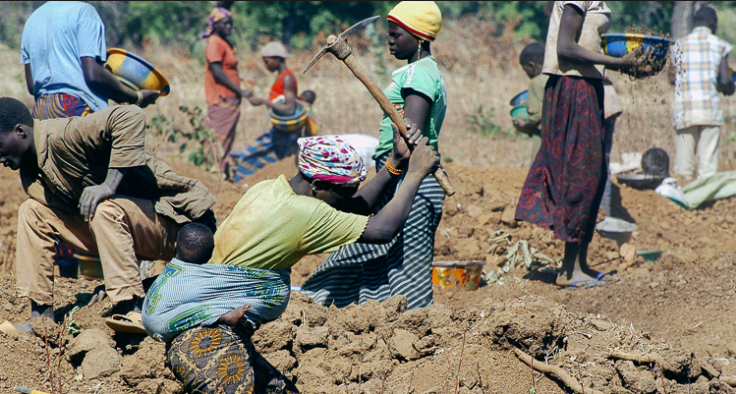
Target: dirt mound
column 381, row 347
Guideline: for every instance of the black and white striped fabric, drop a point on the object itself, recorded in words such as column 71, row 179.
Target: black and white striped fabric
column 360, row 272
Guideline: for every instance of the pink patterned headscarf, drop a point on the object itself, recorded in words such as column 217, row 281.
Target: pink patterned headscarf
column 330, row 159
column 217, row 14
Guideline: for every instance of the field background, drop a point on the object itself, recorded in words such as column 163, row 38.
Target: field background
column 477, row 53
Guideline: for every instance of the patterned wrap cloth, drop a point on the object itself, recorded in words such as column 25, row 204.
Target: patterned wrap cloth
column 59, row 105
column 565, row 184
column 222, row 359
column 330, row 159
column 217, row 14
column 188, row 295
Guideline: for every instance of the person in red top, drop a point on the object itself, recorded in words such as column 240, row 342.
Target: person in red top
column 222, row 83
column 274, row 144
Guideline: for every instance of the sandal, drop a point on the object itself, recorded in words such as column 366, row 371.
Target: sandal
column 130, row 323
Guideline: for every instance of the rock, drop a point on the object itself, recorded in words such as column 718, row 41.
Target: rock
column 86, row 341
column 654, row 284
column 273, row 336
column 709, row 370
column 9, row 306
column 149, row 362
column 283, row 361
column 731, row 349
column 529, row 322
column 601, row 325
column 415, row 321
column 308, row 338
column 680, row 365
column 508, row 217
column 43, row 326
column 635, row 380
column 401, row 345
column 628, row 253
column 101, row 361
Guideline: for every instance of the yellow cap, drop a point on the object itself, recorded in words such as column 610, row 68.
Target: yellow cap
column 422, row 19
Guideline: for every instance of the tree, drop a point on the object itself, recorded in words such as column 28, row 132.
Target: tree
column 682, row 18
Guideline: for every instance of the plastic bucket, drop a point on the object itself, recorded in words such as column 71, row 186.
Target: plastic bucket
column 461, row 273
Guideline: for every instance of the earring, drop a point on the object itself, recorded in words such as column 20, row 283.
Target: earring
column 419, row 49
column 314, row 189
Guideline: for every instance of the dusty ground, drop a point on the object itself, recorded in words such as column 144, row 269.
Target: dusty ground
column 679, row 308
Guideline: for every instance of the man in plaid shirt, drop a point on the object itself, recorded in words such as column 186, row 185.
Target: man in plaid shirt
column 702, row 72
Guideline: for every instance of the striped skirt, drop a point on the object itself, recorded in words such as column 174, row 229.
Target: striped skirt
column 360, row 272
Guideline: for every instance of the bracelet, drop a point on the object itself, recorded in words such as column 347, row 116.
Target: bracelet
column 140, row 98
column 391, row 170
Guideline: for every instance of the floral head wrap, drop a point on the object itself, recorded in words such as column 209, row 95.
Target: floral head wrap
column 330, row 159
column 217, row 14
column 422, row 19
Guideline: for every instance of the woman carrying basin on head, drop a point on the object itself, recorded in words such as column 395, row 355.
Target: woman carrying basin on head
column 360, row 272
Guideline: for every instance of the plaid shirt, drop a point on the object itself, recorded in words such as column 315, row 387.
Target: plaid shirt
column 697, row 57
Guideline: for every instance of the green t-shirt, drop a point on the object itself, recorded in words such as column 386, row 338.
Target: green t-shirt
column 272, row 227
column 424, row 77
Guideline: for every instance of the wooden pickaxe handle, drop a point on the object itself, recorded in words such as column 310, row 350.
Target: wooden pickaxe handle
column 392, row 113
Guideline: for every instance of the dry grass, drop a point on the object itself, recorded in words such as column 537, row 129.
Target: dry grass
column 479, row 65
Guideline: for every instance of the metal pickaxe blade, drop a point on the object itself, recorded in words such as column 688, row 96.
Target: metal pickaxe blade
column 331, row 40
column 339, row 47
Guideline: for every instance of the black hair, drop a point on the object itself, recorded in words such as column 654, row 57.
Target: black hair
column 12, row 113
column 533, row 52
column 225, row 4
column 705, row 16
column 656, row 161
column 308, row 96
column 195, row 243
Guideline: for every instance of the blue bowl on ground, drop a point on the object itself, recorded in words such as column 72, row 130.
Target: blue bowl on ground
column 520, row 112
column 619, row 44
column 520, row 99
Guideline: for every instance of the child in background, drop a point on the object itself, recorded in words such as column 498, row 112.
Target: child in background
column 307, row 99
column 531, row 60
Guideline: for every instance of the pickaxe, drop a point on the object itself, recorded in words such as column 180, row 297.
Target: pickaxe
column 339, row 47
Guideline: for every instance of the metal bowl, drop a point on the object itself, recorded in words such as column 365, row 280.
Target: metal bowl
column 520, row 112
column 616, row 229
column 134, row 72
column 618, row 44
column 520, row 99
column 641, row 181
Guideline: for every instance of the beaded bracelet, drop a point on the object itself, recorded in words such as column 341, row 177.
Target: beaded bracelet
column 391, row 170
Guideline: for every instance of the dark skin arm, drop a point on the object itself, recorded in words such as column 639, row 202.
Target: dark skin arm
column 364, row 200
column 568, row 48
column 725, row 84
column 386, row 223
column 222, row 79
column 93, row 195
column 29, row 79
column 102, row 80
column 417, row 106
column 286, row 108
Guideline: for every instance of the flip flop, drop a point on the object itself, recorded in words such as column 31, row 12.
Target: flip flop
column 600, row 276
column 130, row 323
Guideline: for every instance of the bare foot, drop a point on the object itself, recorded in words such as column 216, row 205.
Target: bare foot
column 233, row 317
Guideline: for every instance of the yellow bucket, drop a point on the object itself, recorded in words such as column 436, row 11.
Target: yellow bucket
column 90, row 267
column 460, row 273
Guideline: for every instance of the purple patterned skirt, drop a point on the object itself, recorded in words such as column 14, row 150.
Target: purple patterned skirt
column 565, row 183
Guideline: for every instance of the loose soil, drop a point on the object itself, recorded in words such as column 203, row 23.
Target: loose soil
column 678, row 308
